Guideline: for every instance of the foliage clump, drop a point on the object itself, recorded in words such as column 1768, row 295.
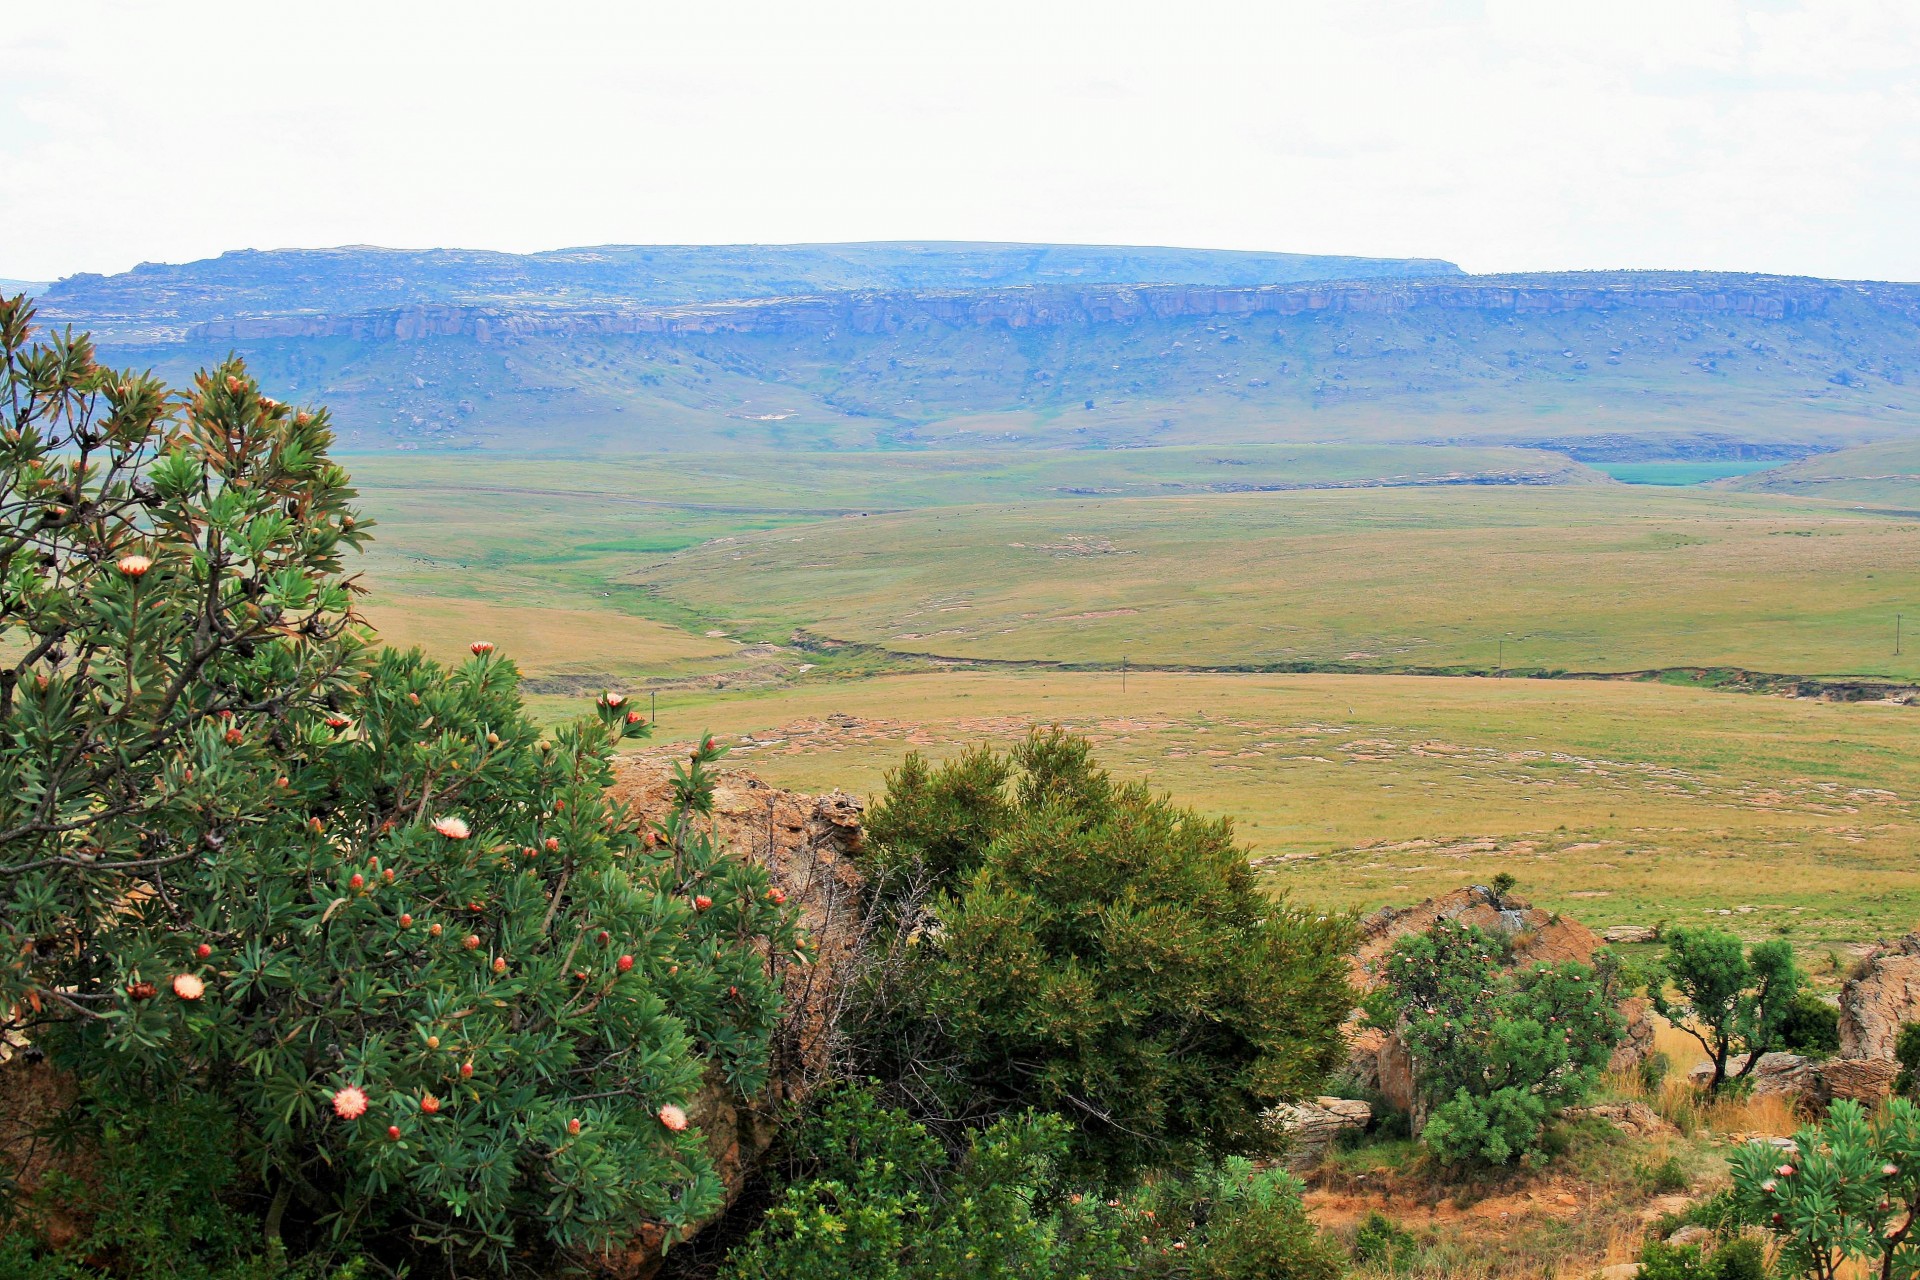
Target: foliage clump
column 1736, row 1002
column 876, row 1196
column 1848, row 1194
column 1058, row 941
column 1494, row 1052
column 445, row 996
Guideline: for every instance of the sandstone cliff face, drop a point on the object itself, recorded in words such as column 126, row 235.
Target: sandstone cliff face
column 1874, row 1006
column 1039, row 306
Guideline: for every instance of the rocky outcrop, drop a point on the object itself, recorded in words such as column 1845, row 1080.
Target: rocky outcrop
column 1312, row 1127
column 1874, row 1006
column 1628, row 933
column 1378, row 1061
column 1635, row 1119
column 1816, row 1084
column 807, row 843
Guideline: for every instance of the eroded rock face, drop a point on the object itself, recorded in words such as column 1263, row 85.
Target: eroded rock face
column 1630, row 933
column 807, row 843
column 1314, row 1126
column 1379, row 1061
column 1874, row 1006
column 1816, row 1084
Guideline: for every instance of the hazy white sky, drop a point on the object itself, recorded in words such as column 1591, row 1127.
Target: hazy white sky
column 1503, row 134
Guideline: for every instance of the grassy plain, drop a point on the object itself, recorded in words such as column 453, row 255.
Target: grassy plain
column 1585, row 579
column 1620, row 801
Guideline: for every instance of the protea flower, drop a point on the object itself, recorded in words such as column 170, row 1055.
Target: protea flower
column 480, row 648
column 701, row 902
column 612, row 699
column 350, row 1103
column 452, row 828
column 673, row 1117
column 429, row 1104
column 573, row 1126
column 624, row 964
column 134, row 566
column 188, row 987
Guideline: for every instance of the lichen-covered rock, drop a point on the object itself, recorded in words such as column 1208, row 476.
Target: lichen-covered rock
column 1314, row 1126
column 1875, row 1005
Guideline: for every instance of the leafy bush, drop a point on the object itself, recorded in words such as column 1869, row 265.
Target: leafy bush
column 1906, row 1048
column 877, row 1196
column 1066, row 943
column 1733, row 1001
column 1741, row 1259
column 1849, row 1194
column 1383, row 1244
column 1811, row 1027
column 448, row 997
column 1494, row 1053
column 1653, row 1071
column 1665, row 1177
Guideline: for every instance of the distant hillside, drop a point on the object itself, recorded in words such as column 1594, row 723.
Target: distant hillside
column 1603, row 366
column 11, row 287
column 1886, row 474
column 156, row 300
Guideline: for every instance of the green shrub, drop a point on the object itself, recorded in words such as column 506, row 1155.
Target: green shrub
column 445, row 994
column 1811, row 1027
column 1845, row 1196
column 1494, row 1053
column 1735, row 1002
column 1066, row 943
column 1653, row 1070
column 1906, row 1048
column 1665, row 1177
column 1383, row 1244
column 1741, row 1259
column 875, row 1195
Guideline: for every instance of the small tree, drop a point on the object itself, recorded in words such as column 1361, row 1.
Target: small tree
column 446, row 995
column 1493, row 1052
column 1732, row 1000
column 1848, row 1192
column 1094, row 951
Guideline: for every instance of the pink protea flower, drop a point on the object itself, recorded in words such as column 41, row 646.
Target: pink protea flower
column 350, row 1103
column 673, row 1117
column 452, row 828
column 612, row 699
column 134, row 566
column 480, row 648
column 1890, row 1170
column 188, row 987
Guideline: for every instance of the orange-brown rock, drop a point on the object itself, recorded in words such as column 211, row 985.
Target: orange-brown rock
column 1874, row 1006
column 807, row 844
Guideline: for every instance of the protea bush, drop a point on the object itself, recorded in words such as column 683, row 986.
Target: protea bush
column 447, row 995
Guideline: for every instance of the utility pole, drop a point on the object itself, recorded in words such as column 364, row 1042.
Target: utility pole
column 1896, row 635
column 1123, row 673
column 653, row 706
column 1500, row 661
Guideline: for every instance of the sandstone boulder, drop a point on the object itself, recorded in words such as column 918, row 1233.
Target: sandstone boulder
column 1629, row 933
column 1784, row 1074
column 1865, row 1080
column 1313, row 1126
column 807, row 843
column 1875, row 1005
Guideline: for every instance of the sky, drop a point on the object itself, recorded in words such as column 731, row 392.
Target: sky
column 1501, row 134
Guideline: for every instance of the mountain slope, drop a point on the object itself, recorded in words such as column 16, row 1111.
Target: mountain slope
column 574, row 351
